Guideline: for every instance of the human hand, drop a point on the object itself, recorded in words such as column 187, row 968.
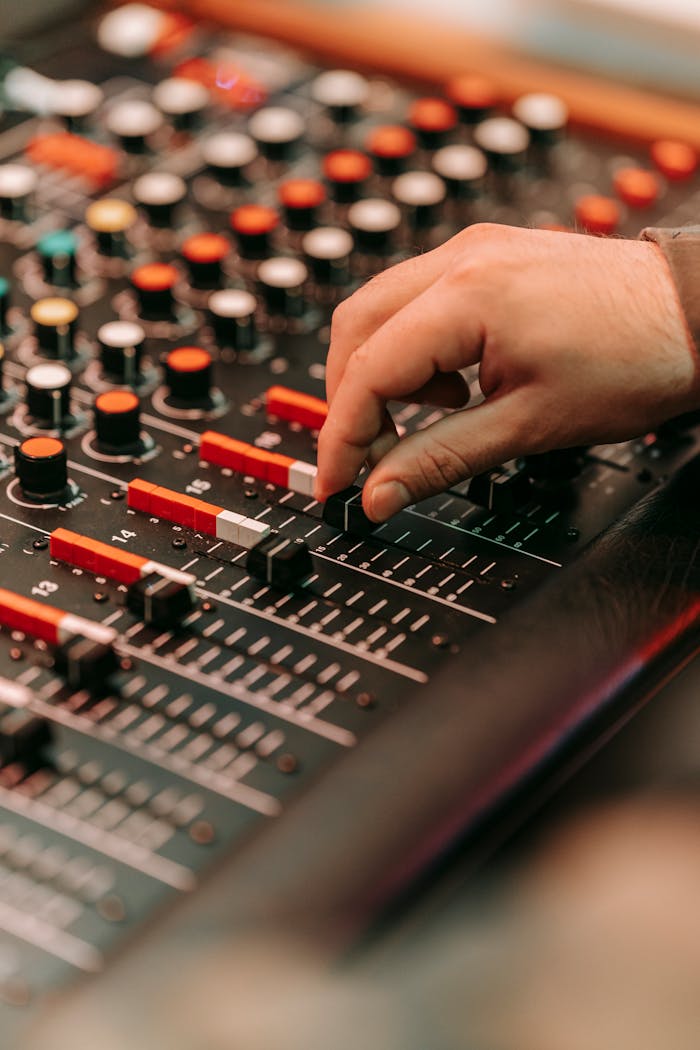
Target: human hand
column 578, row 340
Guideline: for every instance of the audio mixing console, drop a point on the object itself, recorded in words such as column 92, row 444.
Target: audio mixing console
column 189, row 643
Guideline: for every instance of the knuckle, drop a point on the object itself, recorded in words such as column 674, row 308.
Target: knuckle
column 341, row 319
column 441, row 466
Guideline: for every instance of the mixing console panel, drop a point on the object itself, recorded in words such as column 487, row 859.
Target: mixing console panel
column 187, row 639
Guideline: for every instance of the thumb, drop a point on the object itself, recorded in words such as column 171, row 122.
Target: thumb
column 457, row 447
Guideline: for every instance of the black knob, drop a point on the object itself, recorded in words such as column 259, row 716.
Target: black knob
column 391, row 146
column 420, row 193
column 154, row 284
column 117, row 422
column 277, row 131
column 17, row 184
column 110, row 219
column 544, row 115
column 48, row 395
column 254, row 225
column 75, row 101
column 328, row 250
column 121, row 350
column 58, row 252
column 474, row 96
column 282, row 282
column 504, row 141
column 55, row 322
column 463, row 169
column 160, row 601
column 158, row 194
column 374, row 222
column 227, row 156
column 182, row 100
column 41, row 465
column 346, row 171
column 133, row 122
column 433, row 120
column 232, row 316
column 204, row 254
column 301, row 200
column 342, row 92
column 188, row 375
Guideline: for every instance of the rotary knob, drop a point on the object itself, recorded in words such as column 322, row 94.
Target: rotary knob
column 227, row 155
column 433, row 120
column 75, row 101
column 118, row 422
column 204, row 254
column 346, row 171
column 154, row 284
column 110, row 219
column 55, row 322
column 342, row 92
column 48, row 395
column 133, row 122
column 121, row 350
column 391, row 146
column 41, row 466
column 282, row 281
column 277, row 131
column 232, row 316
column 188, row 376
column 504, row 141
column 58, row 251
column 463, row 169
column 253, row 225
column 374, row 222
column 328, row 250
column 301, row 200
column 158, row 193
column 182, row 100
column 17, row 184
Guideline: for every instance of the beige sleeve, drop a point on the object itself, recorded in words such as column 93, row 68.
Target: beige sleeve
column 682, row 250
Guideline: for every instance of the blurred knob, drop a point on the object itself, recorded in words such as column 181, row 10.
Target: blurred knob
column 48, row 395
column 227, row 155
column 342, row 91
column 282, row 282
column 110, row 219
column 121, row 350
column 253, row 225
column 133, row 122
column 57, row 251
column 374, row 222
column 232, row 316
column 158, row 194
column 204, row 253
column 154, row 284
column 55, row 323
column 504, row 141
column 17, row 185
column 328, row 250
column 182, row 100
column 277, row 131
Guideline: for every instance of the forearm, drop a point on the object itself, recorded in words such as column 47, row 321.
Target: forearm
column 681, row 248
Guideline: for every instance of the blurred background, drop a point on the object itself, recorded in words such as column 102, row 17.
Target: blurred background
column 649, row 42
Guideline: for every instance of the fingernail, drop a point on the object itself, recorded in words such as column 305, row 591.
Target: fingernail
column 388, row 498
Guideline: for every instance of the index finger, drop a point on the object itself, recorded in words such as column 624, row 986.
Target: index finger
column 436, row 332
column 359, row 316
